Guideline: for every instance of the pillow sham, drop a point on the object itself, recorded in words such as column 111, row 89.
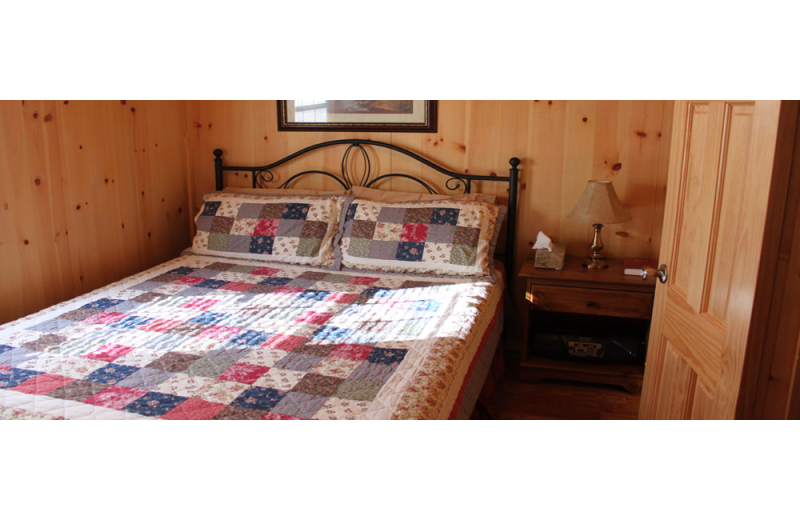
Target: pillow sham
column 295, row 229
column 428, row 237
column 361, row 192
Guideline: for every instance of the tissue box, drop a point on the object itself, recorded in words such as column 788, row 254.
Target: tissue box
column 550, row 259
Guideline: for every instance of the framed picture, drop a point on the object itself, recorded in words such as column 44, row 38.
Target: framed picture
column 357, row 116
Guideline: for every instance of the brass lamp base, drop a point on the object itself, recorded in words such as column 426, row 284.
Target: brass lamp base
column 596, row 261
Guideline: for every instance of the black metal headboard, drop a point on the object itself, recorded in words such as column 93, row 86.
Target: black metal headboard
column 457, row 181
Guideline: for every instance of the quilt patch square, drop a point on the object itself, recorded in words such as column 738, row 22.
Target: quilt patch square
column 204, row 223
column 336, row 367
column 295, row 211
column 410, row 251
column 145, row 379
column 45, row 342
column 392, row 215
column 264, row 271
column 314, row 349
column 352, row 390
column 388, row 231
column 239, row 243
column 174, row 361
column 105, row 318
column 418, row 216
column 285, row 342
column 466, row 236
column 299, row 362
column 316, row 384
column 223, row 392
column 78, row 390
column 351, row 351
column 290, row 228
column 463, row 255
column 266, row 227
column 441, row 234
column 317, row 318
column 42, row 384
column 105, row 303
column 16, row 356
column 332, row 334
column 414, row 233
column 244, row 373
column 280, row 379
column 308, row 247
column 154, row 404
column 218, row 241
column 208, row 367
column 210, row 208
column 220, row 332
column 131, row 322
column 380, row 250
column 249, row 210
column 258, row 398
column 251, row 338
column 53, row 325
column 194, row 409
column 445, row 216
column 80, row 314
column 386, row 356
column 229, row 352
column 108, row 352
column 112, row 374
column 314, row 229
column 115, row 397
column 272, row 211
column 221, row 225
column 261, row 245
column 237, row 413
column 367, row 371
column 298, row 404
column 211, row 284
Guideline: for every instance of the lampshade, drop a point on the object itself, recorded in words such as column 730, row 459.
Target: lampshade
column 599, row 204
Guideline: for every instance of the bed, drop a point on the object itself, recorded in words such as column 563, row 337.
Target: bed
column 288, row 306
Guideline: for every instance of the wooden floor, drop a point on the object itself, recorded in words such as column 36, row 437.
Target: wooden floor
column 550, row 399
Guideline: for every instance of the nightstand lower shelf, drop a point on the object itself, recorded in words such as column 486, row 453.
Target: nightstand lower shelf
column 628, row 376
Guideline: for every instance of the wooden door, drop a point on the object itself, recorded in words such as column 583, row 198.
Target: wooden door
column 720, row 183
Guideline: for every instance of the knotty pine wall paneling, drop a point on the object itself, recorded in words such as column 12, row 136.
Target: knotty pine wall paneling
column 90, row 192
column 562, row 144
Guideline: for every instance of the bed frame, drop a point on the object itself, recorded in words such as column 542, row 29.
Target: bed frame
column 456, row 183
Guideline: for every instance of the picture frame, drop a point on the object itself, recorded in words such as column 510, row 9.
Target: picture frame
column 357, row 116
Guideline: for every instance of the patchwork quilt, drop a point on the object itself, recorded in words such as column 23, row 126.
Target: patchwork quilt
column 197, row 338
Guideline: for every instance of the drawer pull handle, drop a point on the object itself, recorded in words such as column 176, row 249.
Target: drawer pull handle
column 590, row 303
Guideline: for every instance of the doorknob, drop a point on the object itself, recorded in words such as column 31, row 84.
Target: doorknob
column 662, row 273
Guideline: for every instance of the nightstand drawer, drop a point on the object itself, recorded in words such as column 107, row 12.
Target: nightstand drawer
column 590, row 301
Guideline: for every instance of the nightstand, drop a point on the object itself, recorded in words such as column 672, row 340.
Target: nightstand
column 576, row 315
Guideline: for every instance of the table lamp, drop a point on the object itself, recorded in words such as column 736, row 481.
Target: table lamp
column 599, row 205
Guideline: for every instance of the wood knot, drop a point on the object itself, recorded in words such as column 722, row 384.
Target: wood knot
column 209, row 126
column 123, row 225
column 66, row 102
column 123, row 102
column 463, row 147
column 617, row 167
column 585, row 119
column 133, row 109
column 106, row 180
column 492, row 174
column 549, row 102
column 26, row 242
column 149, row 234
column 80, row 147
column 38, row 181
column 48, row 117
column 142, row 194
column 266, row 138
column 622, row 234
column 35, row 115
column 197, row 125
column 78, row 207
column 524, row 186
column 180, row 210
column 641, row 134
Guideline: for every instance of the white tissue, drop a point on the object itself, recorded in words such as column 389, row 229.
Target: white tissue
column 543, row 242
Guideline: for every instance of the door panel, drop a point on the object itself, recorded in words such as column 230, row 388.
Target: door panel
column 677, row 386
column 719, row 183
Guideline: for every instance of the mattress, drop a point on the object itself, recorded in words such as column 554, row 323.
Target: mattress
column 197, row 338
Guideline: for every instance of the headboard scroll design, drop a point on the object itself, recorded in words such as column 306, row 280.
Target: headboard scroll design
column 262, row 175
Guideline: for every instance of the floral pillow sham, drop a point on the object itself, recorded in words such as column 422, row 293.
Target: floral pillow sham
column 442, row 237
column 295, row 229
